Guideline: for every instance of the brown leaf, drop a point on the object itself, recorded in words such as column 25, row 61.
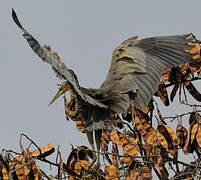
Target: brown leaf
column 176, row 140
column 85, row 164
column 129, row 150
column 174, row 91
column 162, row 129
column 115, row 138
column 4, row 172
column 111, row 172
column 88, row 151
column 82, row 153
column 193, row 118
column 144, row 128
column 45, row 151
column 193, row 91
column 188, row 148
column 146, row 173
column 164, row 172
column 151, row 137
column 162, row 140
column 72, row 157
column 182, row 134
column 162, row 92
column 76, row 167
column 135, row 143
column 198, row 136
column 194, row 131
column 115, row 155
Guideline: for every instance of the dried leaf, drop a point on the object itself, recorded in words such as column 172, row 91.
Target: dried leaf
column 115, row 155
column 76, row 167
column 192, row 90
column 151, row 138
column 45, row 151
column 162, row 129
column 20, row 172
column 182, row 134
column 88, row 151
column 85, row 164
column 164, row 172
column 129, row 150
column 4, row 172
column 144, row 128
column 176, row 140
column 188, row 148
column 162, row 92
column 198, row 136
column 111, row 172
column 193, row 118
column 162, row 140
column 146, row 173
column 125, row 160
column 194, row 130
column 135, row 143
column 115, row 138
column 174, row 91
column 72, row 157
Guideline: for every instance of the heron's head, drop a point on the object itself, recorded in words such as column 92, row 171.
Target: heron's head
column 71, row 106
column 63, row 88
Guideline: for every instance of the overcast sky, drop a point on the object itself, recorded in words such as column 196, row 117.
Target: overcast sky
column 84, row 33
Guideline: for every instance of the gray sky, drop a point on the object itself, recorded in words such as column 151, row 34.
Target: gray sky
column 84, row 33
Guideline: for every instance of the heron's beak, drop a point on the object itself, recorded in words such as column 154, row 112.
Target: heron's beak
column 63, row 87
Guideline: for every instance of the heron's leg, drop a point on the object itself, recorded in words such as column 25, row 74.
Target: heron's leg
column 98, row 137
column 91, row 142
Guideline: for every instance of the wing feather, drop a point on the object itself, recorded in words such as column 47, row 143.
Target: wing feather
column 57, row 65
column 147, row 60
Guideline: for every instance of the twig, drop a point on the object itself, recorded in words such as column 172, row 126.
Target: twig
column 123, row 155
column 66, row 168
column 44, row 174
column 185, row 164
column 11, row 151
column 22, row 134
column 183, row 81
column 179, row 115
column 191, row 105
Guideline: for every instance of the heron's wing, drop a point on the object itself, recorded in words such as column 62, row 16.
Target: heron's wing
column 57, row 65
column 137, row 67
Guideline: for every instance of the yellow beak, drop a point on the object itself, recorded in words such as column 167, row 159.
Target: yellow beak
column 63, row 87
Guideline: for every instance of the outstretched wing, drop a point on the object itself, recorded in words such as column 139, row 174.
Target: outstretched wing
column 57, row 65
column 137, row 67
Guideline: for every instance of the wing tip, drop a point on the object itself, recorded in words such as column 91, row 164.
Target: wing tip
column 16, row 20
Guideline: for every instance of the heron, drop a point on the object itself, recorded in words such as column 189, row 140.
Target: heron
column 134, row 74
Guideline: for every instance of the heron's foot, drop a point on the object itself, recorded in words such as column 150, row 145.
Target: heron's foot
column 95, row 163
column 97, row 160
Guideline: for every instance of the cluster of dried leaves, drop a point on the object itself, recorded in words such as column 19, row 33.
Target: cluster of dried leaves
column 23, row 165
